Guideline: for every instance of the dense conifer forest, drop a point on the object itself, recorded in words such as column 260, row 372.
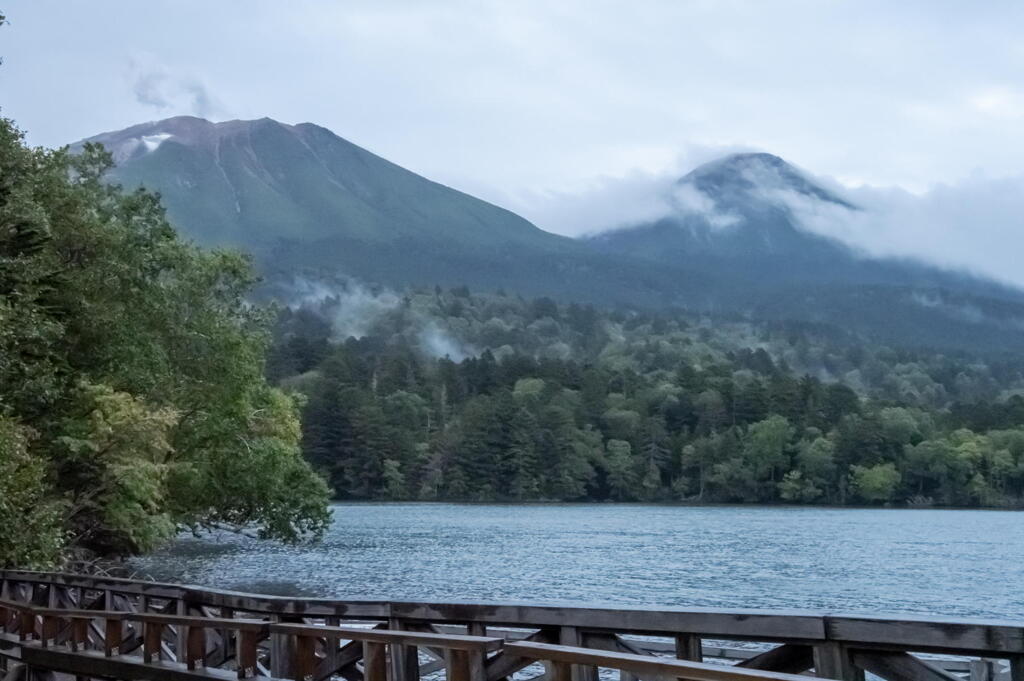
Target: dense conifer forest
column 452, row 395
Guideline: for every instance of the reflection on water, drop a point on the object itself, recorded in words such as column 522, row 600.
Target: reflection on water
column 961, row 563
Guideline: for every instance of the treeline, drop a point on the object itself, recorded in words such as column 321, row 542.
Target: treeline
column 551, row 402
column 133, row 402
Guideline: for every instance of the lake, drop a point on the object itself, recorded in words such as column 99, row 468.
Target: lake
column 936, row 562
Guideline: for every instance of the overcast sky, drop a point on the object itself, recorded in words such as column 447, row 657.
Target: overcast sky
column 543, row 106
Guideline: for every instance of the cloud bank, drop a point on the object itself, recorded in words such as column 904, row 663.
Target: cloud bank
column 976, row 224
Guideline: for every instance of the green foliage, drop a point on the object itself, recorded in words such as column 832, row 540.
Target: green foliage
column 875, row 484
column 30, row 515
column 132, row 393
column 554, row 402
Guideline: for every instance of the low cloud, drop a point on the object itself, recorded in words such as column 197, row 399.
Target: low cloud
column 688, row 200
column 608, row 203
column 356, row 310
column 976, row 224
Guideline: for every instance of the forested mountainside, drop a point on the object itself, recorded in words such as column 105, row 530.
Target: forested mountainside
column 434, row 394
column 300, row 198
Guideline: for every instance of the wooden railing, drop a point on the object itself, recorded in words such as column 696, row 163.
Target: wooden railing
column 193, row 630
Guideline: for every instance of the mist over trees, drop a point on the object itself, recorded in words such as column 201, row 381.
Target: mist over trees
column 566, row 402
column 132, row 397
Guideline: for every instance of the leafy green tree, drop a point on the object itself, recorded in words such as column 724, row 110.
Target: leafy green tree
column 620, row 470
column 136, row 361
column 875, row 484
column 766, row 452
column 522, row 463
column 31, row 516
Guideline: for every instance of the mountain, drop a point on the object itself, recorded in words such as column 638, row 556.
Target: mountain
column 303, row 200
column 256, row 182
column 744, row 215
column 744, row 212
column 306, row 202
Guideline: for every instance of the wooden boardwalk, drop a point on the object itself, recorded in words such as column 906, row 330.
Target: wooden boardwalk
column 55, row 626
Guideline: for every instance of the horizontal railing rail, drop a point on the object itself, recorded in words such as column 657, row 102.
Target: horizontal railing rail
column 564, row 658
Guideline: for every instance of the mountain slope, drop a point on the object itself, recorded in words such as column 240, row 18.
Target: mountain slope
column 253, row 182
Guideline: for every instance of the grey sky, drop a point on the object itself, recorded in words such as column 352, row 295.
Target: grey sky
column 538, row 105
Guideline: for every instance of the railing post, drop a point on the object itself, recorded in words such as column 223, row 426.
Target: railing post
column 464, row 665
column 79, row 634
column 282, row 652
column 48, row 630
column 304, row 667
column 375, row 662
column 1017, row 668
column 570, row 636
column 561, row 671
column 247, row 650
column 689, row 647
column 180, row 642
column 228, row 642
column 113, row 632
column 405, row 659
column 152, row 637
column 195, row 647
column 26, row 625
column 832, row 661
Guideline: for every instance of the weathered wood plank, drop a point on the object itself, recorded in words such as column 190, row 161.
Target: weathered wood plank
column 304, row 663
column 897, row 666
column 238, row 624
column 795, row 626
column 414, row 638
column 94, row 664
column 787, row 658
column 341, row 658
column 1017, row 668
column 282, row 654
column 571, row 636
column 374, row 661
column 464, row 665
column 405, row 662
column 645, row 665
column 927, row 635
column 505, row 664
column 832, row 661
column 689, row 647
column 610, row 642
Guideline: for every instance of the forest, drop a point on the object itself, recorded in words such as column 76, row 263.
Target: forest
column 452, row 395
